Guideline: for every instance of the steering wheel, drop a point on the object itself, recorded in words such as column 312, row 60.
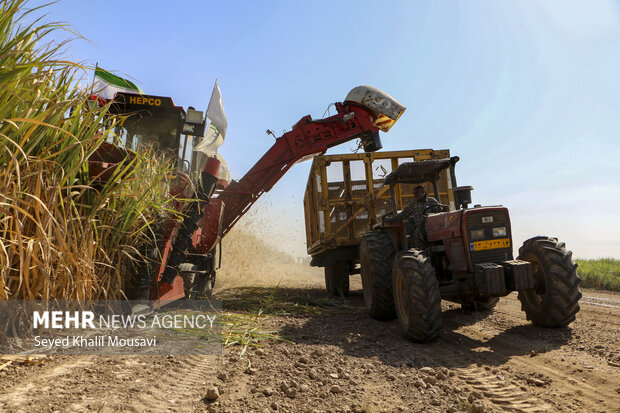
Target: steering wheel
column 387, row 218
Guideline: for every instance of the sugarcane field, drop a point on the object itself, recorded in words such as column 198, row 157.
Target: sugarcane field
column 309, row 207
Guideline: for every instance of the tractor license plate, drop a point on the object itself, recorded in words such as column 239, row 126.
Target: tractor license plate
column 490, row 244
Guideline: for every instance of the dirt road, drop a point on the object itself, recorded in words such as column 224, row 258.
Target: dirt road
column 338, row 359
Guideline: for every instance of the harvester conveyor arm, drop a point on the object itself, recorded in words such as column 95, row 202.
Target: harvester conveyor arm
column 307, row 137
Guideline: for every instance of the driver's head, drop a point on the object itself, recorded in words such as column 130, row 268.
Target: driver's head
column 419, row 191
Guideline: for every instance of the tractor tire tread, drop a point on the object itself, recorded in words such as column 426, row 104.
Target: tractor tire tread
column 424, row 299
column 380, row 251
column 561, row 298
column 337, row 279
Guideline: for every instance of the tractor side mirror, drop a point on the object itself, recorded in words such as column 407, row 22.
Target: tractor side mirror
column 462, row 196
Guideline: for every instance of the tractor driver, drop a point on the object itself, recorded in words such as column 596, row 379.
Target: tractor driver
column 413, row 215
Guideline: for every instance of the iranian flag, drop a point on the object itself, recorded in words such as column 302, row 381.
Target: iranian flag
column 106, row 85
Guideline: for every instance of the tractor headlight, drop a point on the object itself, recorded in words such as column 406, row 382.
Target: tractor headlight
column 499, row 232
column 477, row 234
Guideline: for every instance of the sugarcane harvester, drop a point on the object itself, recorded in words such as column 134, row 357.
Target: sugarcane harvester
column 182, row 255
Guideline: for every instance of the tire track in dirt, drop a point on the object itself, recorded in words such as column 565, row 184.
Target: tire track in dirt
column 114, row 383
column 497, row 390
column 590, row 390
column 180, row 389
column 478, row 374
column 24, row 391
column 493, row 355
column 600, row 301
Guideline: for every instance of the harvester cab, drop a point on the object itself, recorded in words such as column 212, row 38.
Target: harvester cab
column 466, row 258
column 156, row 122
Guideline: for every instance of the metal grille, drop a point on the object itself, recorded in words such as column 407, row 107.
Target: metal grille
column 500, row 218
column 474, row 219
column 479, row 257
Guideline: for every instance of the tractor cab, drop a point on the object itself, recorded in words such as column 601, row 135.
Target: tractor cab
column 426, row 173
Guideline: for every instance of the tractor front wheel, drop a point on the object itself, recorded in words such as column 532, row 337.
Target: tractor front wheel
column 376, row 261
column 337, row 278
column 416, row 296
column 554, row 300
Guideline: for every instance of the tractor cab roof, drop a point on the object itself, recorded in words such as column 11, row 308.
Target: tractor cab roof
column 420, row 171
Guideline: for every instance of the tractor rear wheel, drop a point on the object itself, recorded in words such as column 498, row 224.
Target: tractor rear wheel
column 376, row 261
column 554, row 300
column 416, row 296
column 337, row 278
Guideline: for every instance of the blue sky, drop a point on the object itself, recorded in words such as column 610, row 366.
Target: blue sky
column 526, row 93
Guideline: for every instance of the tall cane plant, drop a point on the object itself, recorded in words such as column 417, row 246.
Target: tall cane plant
column 61, row 237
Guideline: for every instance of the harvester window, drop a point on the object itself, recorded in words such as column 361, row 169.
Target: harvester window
column 161, row 134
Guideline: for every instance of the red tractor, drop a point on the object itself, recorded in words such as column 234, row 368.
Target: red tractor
column 182, row 254
column 466, row 258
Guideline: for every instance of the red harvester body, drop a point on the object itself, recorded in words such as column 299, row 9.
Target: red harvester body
column 182, row 257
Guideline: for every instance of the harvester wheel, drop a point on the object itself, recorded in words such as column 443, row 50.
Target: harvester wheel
column 376, row 261
column 337, row 278
column 481, row 304
column 187, row 271
column 554, row 300
column 416, row 296
column 203, row 286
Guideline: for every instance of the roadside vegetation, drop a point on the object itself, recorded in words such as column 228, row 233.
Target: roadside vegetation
column 62, row 237
column 603, row 273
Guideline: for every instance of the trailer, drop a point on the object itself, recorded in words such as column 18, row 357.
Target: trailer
column 345, row 197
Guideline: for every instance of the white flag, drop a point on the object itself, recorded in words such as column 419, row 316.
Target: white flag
column 215, row 111
column 212, row 140
column 214, row 135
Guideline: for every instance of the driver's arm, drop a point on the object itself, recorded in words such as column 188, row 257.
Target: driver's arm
column 430, row 201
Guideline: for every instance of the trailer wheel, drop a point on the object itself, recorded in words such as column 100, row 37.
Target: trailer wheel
column 554, row 300
column 376, row 261
column 416, row 295
column 337, row 278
